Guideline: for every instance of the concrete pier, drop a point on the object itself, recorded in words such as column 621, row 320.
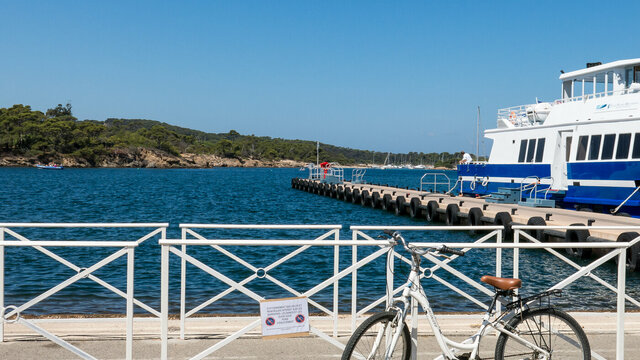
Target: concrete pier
column 464, row 210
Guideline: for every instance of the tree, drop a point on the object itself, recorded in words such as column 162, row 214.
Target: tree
column 59, row 111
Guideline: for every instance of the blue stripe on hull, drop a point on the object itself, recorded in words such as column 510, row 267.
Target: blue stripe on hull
column 602, row 195
column 604, row 170
column 577, row 196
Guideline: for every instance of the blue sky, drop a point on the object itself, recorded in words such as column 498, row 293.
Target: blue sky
column 386, row 76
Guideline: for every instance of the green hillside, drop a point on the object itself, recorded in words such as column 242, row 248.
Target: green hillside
column 32, row 133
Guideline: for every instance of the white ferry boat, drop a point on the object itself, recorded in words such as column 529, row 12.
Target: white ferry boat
column 579, row 152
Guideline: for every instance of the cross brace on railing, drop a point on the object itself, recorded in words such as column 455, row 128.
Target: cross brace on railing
column 127, row 248
column 168, row 247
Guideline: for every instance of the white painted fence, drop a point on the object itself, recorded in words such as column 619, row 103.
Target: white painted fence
column 10, row 237
column 329, row 235
column 617, row 250
column 169, row 246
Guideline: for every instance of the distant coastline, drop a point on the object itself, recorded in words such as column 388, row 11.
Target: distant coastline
column 29, row 137
column 156, row 159
column 150, row 158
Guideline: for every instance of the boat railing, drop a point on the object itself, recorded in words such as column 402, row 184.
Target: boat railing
column 597, row 95
column 434, row 179
column 357, row 175
column 517, row 115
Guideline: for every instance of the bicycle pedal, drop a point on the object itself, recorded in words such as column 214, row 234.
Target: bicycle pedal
column 465, row 356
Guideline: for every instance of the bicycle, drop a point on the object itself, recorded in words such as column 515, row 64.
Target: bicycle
column 526, row 332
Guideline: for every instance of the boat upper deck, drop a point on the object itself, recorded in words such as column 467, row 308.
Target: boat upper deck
column 590, row 86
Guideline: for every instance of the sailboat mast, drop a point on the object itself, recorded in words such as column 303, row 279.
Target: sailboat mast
column 478, row 136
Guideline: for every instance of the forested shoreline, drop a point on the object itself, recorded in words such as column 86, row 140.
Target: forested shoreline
column 28, row 136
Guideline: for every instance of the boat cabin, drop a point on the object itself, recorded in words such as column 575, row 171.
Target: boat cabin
column 599, row 80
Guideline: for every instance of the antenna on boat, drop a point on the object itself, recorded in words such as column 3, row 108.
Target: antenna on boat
column 478, row 136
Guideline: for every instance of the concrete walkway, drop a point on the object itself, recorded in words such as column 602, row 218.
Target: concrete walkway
column 104, row 338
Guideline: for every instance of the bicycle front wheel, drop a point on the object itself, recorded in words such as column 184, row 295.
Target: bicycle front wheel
column 551, row 329
column 373, row 336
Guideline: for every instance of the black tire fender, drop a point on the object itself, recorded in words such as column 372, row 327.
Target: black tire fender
column 355, row 196
column 633, row 253
column 375, row 200
column 475, row 216
column 452, row 214
column 578, row 236
column 432, row 210
column 365, row 198
column 386, row 202
column 347, row 194
column 504, row 219
column 414, row 207
column 399, row 206
column 538, row 234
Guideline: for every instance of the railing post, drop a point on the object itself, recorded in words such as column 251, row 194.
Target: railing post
column 183, row 285
column 2, row 285
column 354, row 281
column 130, row 279
column 164, row 300
column 622, row 273
column 336, row 270
column 498, row 264
column 516, row 254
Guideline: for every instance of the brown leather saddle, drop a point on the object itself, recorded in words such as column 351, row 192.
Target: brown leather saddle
column 502, row 283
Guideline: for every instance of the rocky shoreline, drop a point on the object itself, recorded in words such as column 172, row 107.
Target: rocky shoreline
column 146, row 158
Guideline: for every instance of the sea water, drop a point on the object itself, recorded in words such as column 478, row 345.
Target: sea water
column 235, row 196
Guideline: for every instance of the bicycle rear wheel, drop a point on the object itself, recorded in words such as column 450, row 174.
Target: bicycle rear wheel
column 371, row 338
column 550, row 329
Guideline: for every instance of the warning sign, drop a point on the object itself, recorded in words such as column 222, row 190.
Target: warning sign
column 284, row 317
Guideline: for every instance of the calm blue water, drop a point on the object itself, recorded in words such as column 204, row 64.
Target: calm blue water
column 233, row 196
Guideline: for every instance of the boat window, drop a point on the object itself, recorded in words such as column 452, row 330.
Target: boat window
column 531, row 149
column 624, row 140
column 628, row 77
column 568, row 148
column 607, row 146
column 582, row 147
column 523, row 150
column 594, row 148
column 540, row 150
column 636, row 147
column 636, row 74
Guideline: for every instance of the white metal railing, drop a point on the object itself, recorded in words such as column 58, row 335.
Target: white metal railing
column 357, row 175
column 435, row 182
column 333, row 170
column 517, row 115
column 170, row 246
column 329, row 237
column 532, row 187
column 513, row 113
column 596, row 95
column 617, row 250
column 494, row 233
column 10, row 237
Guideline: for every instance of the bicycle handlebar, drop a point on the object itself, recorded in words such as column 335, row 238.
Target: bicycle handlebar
column 442, row 249
column 449, row 250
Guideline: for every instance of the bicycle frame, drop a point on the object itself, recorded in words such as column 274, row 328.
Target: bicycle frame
column 413, row 289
